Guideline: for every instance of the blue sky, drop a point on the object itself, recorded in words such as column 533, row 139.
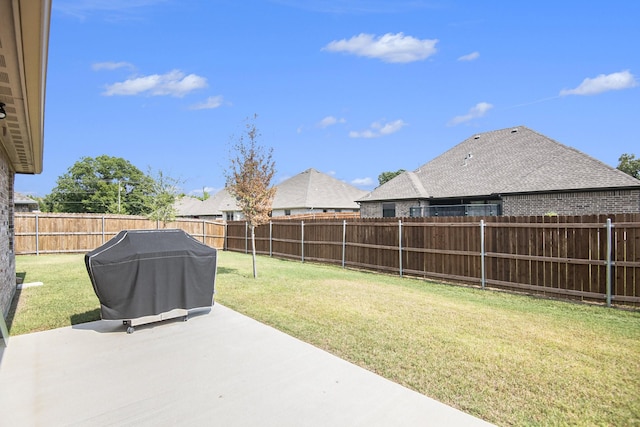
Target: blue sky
column 351, row 88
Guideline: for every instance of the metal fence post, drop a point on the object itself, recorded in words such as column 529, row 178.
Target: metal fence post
column 344, row 241
column 103, row 229
column 400, row 246
column 609, row 262
column 302, row 240
column 37, row 236
column 226, row 236
column 483, row 277
column 246, row 237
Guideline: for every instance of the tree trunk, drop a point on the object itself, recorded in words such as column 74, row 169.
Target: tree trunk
column 253, row 251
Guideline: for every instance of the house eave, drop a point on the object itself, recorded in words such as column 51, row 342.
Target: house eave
column 24, row 41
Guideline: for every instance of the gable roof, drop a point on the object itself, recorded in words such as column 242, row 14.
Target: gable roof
column 313, row 189
column 187, row 206
column 506, row 161
column 21, row 199
column 213, row 206
column 307, row 190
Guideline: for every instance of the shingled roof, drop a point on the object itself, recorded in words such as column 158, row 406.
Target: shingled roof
column 215, row 205
column 313, row 189
column 506, row 161
column 307, row 190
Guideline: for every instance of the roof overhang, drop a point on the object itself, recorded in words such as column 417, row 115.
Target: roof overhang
column 24, row 44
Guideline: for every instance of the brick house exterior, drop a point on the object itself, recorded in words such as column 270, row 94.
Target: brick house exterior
column 7, row 260
column 512, row 172
column 575, row 203
column 24, row 40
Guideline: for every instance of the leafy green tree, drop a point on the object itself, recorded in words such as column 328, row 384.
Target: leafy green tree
column 388, row 176
column 205, row 195
column 248, row 179
column 164, row 194
column 103, row 184
column 629, row 165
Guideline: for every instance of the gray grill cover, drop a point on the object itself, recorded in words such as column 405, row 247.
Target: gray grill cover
column 149, row 272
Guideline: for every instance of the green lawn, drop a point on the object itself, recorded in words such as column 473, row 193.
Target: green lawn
column 508, row 359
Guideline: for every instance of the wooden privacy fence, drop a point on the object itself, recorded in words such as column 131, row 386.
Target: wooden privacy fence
column 592, row 258
column 43, row 233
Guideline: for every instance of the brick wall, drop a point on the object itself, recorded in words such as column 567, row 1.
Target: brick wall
column 575, row 203
column 7, row 260
column 579, row 203
column 374, row 209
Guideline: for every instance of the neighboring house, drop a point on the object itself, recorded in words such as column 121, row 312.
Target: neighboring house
column 212, row 208
column 24, row 40
column 187, row 206
column 315, row 192
column 514, row 171
column 308, row 192
column 23, row 203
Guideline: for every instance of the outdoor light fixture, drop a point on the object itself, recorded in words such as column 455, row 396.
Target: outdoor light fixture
column 3, row 114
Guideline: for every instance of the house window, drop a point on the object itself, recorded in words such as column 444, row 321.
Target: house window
column 388, row 210
column 229, row 216
column 287, row 212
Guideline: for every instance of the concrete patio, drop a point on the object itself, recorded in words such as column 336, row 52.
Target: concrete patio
column 219, row 368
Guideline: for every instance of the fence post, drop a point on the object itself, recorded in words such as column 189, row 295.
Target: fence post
column 483, row 278
column 400, row 246
column 302, row 240
column 103, row 229
column 246, row 237
column 37, row 236
column 270, row 238
column 226, row 236
column 204, row 233
column 609, row 263
column 344, row 241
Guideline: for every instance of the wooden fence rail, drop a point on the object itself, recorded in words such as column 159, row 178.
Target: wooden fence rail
column 44, row 233
column 591, row 258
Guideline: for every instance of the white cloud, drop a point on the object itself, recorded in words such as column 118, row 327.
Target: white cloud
column 470, row 57
column 363, row 182
column 329, row 121
column 174, row 83
column 388, row 48
column 603, row 83
column 378, row 129
column 479, row 110
column 111, row 66
column 210, row 103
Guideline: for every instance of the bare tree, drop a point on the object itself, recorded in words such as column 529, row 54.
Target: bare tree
column 248, row 179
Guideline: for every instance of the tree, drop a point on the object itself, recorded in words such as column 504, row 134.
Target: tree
column 629, row 165
column 248, row 179
column 388, row 176
column 162, row 198
column 101, row 185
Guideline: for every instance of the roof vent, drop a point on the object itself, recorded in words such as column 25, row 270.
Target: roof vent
column 514, row 130
column 476, row 137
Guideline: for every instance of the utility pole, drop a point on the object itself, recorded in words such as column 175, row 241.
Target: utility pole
column 118, row 196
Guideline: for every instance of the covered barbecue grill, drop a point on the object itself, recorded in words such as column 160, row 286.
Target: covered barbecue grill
column 142, row 276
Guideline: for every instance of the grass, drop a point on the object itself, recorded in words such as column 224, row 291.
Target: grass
column 508, row 359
